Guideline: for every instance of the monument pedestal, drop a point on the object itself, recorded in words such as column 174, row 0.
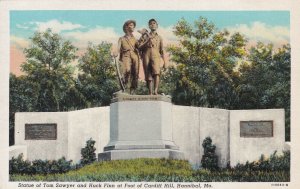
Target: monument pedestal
column 140, row 127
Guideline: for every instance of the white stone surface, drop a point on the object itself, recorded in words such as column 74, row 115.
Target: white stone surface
column 250, row 149
column 73, row 130
column 43, row 149
column 85, row 124
column 214, row 123
column 140, row 153
column 192, row 125
column 287, row 146
column 15, row 151
column 141, row 129
column 186, row 132
column 151, row 125
column 140, row 123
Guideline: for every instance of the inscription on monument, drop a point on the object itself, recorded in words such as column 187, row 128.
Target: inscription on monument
column 256, row 129
column 46, row 131
column 125, row 97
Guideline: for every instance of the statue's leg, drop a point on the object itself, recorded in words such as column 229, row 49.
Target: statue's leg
column 134, row 73
column 156, row 84
column 149, row 86
column 156, row 73
column 126, row 71
column 147, row 71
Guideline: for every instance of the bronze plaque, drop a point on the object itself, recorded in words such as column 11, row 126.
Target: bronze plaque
column 39, row 131
column 256, row 129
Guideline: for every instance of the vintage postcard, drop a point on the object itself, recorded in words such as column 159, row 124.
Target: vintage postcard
column 149, row 94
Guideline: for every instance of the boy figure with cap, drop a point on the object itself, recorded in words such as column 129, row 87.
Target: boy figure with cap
column 127, row 47
column 152, row 52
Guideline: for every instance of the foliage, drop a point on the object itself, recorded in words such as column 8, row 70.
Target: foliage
column 211, row 69
column 214, row 69
column 265, row 81
column 22, row 98
column 168, row 76
column 209, row 159
column 48, row 83
column 155, row 170
column 55, row 166
column 97, row 79
column 273, row 163
column 19, row 166
column 88, row 154
column 205, row 64
column 48, row 69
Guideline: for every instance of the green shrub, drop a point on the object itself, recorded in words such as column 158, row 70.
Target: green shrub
column 54, row 166
column 88, row 154
column 41, row 166
column 20, row 166
column 63, row 165
column 273, row 163
column 154, row 170
column 209, row 159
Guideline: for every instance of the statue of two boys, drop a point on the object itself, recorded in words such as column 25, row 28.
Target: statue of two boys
column 148, row 49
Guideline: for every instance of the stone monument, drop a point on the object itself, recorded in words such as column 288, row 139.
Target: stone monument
column 149, row 126
column 141, row 127
column 154, row 128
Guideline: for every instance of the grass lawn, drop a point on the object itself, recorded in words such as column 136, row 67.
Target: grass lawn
column 158, row 170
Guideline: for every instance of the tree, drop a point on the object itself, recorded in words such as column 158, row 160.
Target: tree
column 22, row 95
column 48, row 67
column 168, row 76
column 97, row 79
column 205, row 62
column 265, row 81
column 214, row 69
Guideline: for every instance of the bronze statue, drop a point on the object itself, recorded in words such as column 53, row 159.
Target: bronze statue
column 129, row 57
column 151, row 46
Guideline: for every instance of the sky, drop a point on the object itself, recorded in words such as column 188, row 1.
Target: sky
column 82, row 27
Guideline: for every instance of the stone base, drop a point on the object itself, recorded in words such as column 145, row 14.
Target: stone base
column 140, row 127
column 147, row 144
column 140, row 153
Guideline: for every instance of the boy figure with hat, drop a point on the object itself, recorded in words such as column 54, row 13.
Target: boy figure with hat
column 152, row 52
column 127, row 47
